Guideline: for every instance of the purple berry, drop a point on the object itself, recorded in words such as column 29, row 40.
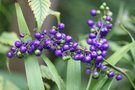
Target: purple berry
column 61, row 26
column 10, row 54
column 53, row 31
column 44, row 31
column 104, row 53
column 99, row 58
column 93, row 12
column 103, row 67
column 89, row 41
column 108, row 18
column 58, row 36
column 18, row 44
column 87, row 59
column 58, row 52
column 93, row 54
column 119, row 77
column 98, row 65
column 90, row 23
column 110, row 74
column 99, row 24
column 74, row 45
column 68, row 39
column 92, row 35
column 66, row 47
column 92, row 48
column 13, row 49
column 23, row 49
column 37, row 35
column 36, row 43
column 81, row 56
column 105, row 46
column 76, row 57
column 109, row 26
column 87, row 71
column 21, row 35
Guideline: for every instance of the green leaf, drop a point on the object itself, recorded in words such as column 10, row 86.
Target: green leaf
column 40, row 9
column 73, row 75
column 46, row 73
column 114, row 58
column 107, row 84
column 98, row 84
column 23, row 28
column 8, row 38
column 33, row 73
column 31, row 63
column 9, row 81
column 3, row 49
column 54, row 73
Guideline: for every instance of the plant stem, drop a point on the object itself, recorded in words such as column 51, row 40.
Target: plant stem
column 89, row 82
column 124, row 73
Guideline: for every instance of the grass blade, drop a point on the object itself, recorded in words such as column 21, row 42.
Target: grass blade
column 33, row 73
column 113, row 59
column 73, row 75
column 54, row 73
column 31, row 63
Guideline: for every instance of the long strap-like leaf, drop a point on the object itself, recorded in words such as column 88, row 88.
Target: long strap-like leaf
column 31, row 63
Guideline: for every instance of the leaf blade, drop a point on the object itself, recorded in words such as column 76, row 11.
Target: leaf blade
column 40, row 10
column 31, row 62
column 73, row 75
column 54, row 72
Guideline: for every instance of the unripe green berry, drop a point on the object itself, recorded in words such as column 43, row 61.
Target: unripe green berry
column 102, row 7
column 92, row 30
column 98, row 12
column 99, row 52
column 37, row 51
column 62, row 41
column 109, row 13
column 104, row 4
column 19, row 54
column 107, row 8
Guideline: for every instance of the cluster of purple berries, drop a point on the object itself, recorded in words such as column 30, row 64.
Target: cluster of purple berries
column 98, row 43
column 63, row 46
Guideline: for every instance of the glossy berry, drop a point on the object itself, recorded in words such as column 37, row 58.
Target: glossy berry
column 21, row 35
column 13, row 49
column 110, row 74
column 18, row 44
column 119, row 77
column 90, row 23
column 36, row 43
column 10, row 54
column 92, row 48
column 76, row 57
column 74, row 45
column 53, row 31
column 108, row 18
column 38, row 52
column 58, row 52
column 68, row 38
column 93, row 54
column 23, row 49
column 66, row 47
column 95, row 75
column 87, row 59
column 92, row 35
column 61, row 26
column 87, row 71
column 105, row 46
column 58, row 36
column 37, row 35
column 93, row 12
column 99, row 58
